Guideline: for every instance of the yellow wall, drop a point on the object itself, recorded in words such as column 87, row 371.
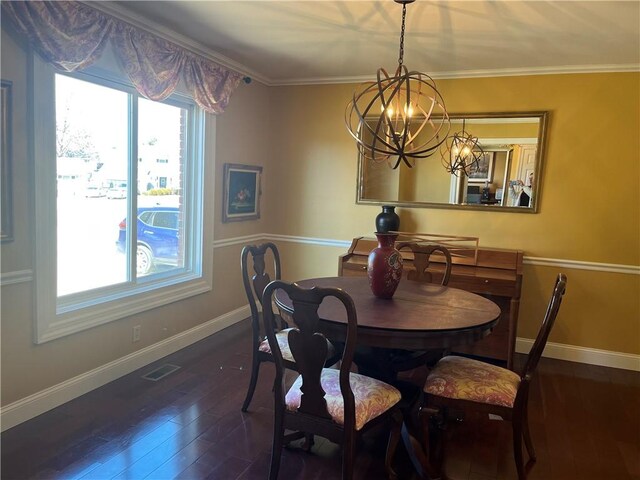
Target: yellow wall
column 502, row 130
column 589, row 212
column 590, row 201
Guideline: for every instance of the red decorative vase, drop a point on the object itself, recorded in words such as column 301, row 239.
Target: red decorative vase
column 385, row 266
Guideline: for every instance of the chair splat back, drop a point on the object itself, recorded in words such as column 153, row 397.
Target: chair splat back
column 255, row 285
column 309, row 347
column 310, row 350
column 422, row 259
column 403, row 360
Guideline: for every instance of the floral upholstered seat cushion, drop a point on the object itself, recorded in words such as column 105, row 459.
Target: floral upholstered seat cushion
column 372, row 397
column 283, row 342
column 467, row 379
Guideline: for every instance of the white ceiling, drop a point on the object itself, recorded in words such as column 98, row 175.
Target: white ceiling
column 284, row 42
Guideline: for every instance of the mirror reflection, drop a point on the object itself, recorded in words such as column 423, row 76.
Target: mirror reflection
column 505, row 178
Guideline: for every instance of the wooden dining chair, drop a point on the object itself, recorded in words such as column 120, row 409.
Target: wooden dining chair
column 336, row 404
column 402, row 360
column 422, row 260
column 461, row 384
column 254, row 286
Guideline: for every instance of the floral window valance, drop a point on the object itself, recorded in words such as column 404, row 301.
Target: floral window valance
column 72, row 36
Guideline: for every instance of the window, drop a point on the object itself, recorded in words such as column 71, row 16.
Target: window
column 118, row 232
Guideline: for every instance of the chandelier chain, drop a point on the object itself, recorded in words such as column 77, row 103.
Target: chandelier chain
column 404, row 15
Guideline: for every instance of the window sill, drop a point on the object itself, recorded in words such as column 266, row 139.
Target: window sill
column 79, row 319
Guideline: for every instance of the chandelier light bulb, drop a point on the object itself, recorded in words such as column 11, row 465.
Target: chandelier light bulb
column 408, row 110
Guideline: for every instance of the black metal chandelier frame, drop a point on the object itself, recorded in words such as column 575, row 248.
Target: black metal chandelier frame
column 463, row 154
column 408, row 101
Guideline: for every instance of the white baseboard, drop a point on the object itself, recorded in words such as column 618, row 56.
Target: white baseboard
column 40, row 402
column 592, row 356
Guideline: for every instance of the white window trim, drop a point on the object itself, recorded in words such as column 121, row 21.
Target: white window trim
column 55, row 318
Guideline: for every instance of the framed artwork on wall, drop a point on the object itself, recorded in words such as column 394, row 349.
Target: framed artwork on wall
column 6, row 208
column 483, row 171
column 242, row 192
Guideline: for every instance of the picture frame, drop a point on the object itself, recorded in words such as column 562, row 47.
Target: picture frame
column 242, row 191
column 483, row 171
column 6, row 196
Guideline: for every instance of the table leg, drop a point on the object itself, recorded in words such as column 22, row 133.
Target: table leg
column 376, row 363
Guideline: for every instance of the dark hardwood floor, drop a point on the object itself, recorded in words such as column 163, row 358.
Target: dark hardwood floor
column 585, row 423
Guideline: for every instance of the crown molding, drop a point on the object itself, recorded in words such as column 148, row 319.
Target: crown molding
column 505, row 72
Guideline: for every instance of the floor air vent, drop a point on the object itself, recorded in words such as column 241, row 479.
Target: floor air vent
column 160, row 372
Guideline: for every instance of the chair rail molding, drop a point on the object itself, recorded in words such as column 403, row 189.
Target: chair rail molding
column 580, row 265
column 328, row 242
column 19, row 276
column 244, row 240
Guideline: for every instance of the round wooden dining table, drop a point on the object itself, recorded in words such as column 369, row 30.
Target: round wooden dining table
column 420, row 316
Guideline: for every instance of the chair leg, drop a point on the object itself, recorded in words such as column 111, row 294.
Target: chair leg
column 255, row 369
column 278, row 441
column 432, row 424
column 394, row 438
column 527, row 435
column 348, row 456
column 517, row 448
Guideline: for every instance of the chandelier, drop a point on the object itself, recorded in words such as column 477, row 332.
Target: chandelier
column 462, row 154
column 398, row 118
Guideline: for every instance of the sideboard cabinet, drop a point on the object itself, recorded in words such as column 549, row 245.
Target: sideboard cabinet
column 495, row 274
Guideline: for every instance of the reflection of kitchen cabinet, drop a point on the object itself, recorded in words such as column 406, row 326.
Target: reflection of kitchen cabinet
column 497, row 275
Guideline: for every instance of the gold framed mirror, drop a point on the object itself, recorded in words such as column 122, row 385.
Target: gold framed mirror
column 507, row 178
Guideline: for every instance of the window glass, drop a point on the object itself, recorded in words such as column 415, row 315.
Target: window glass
column 92, row 166
column 97, row 188
column 95, row 241
column 161, row 134
column 146, row 217
column 165, row 220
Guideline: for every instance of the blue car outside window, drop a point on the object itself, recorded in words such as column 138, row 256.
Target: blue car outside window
column 165, row 219
column 157, row 232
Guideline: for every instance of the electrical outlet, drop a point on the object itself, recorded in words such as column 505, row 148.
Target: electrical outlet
column 136, row 333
